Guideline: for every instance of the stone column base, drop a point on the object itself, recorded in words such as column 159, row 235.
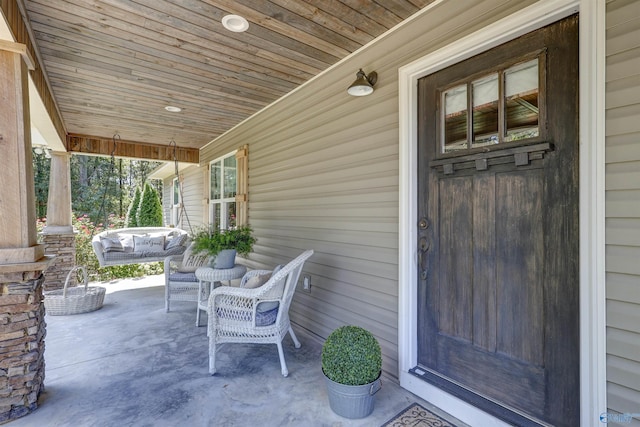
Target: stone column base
column 63, row 247
column 22, row 332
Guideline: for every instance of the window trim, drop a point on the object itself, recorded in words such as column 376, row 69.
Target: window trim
column 541, row 55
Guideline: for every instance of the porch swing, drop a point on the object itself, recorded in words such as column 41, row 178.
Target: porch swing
column 136, row 245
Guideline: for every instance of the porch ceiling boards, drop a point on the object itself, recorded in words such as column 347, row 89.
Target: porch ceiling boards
column 113, row 65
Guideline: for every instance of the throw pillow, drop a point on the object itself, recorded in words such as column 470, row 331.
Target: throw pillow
column 192, row 261
column 269, row 305
column 127, row 242
column 148, row 244
column 257, row 281
column 111, row 244
column 176, row 241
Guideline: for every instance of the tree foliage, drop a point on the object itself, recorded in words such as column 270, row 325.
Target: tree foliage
column 100, row 187
column 132, row 213
column 150, row 209
column 41, row 180
column 101, row 190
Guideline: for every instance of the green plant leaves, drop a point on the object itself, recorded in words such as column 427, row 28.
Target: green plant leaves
column 212, row 241
column 351, row 355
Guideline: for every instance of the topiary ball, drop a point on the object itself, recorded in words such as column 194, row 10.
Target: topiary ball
column 351, row 355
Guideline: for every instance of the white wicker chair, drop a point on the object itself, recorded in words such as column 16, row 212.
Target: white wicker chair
column 180, row 286
column 234, row 316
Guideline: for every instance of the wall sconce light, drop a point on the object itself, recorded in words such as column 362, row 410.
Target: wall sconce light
column 364, row 84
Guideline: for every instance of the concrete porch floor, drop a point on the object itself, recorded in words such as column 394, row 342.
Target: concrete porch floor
column 132, row 364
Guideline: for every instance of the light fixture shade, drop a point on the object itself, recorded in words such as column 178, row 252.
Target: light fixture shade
column 235, row 23
column 364, row 84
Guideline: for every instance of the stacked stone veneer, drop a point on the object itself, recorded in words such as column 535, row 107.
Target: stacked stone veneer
column 63, row 247
column 22, row 332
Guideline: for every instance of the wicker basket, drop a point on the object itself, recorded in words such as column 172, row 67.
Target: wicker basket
column 76, row 300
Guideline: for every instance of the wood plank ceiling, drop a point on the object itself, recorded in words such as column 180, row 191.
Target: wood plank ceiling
column 113, row 65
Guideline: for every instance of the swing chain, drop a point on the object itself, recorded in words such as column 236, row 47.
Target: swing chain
column 115, row 145
column 182, row 209
column 102, row 209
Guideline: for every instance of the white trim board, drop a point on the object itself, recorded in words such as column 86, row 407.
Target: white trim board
column 591, row 165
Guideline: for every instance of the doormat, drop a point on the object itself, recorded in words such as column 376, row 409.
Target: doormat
column 415, row 415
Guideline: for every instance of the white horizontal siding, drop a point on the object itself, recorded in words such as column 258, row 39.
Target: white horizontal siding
column 323, row 174
column 623, row 287
column 622, row 208
column 192, row 197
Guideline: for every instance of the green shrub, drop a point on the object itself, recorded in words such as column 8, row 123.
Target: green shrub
column 351, row 355
column 132, row 213
column 150, row 209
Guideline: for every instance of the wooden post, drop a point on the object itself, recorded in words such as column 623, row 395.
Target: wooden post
column 18, row 239
column 59, row 201
column 22, row 260
column 58, row 236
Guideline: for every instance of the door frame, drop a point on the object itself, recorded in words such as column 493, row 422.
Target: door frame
column 591, row 194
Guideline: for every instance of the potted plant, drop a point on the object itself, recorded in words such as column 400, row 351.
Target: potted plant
column 222, row 245
column 352, row 364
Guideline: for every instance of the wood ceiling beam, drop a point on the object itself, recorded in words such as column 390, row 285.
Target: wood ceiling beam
column 22, row 34
column 99, row 146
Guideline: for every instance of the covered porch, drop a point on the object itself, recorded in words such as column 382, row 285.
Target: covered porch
column 134, row 364
column 327, row 170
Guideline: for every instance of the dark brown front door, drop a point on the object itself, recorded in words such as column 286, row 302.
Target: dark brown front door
column 498, row 206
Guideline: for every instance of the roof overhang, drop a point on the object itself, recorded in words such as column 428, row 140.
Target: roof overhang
column 168, row 170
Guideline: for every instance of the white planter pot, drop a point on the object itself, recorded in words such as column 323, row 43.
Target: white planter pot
column 226, row 258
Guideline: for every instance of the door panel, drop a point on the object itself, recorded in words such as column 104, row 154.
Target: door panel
column 455, row 262
column 498, row 305
column 519, row 262
column 484, row 253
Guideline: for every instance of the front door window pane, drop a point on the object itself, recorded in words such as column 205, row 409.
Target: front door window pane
column 455, row 119
column 485, row 111
column 521, row 100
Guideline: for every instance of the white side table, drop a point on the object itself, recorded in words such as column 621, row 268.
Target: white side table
column 209, row 278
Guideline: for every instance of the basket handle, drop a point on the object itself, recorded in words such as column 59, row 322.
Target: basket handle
column 66, row 282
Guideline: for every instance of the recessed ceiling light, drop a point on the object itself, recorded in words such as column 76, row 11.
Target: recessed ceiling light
column 235, row 23
column 173, row 109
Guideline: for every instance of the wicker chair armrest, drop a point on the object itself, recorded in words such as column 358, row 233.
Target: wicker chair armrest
column 236, row 292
